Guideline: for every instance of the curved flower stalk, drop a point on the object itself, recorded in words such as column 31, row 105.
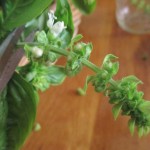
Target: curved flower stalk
column 123, row 94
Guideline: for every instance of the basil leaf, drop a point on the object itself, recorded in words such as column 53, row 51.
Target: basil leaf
column 132, row 79
column 42, row 37
column 116, row 110
column 86, row 6
column 63, row 13
column 42, row 77
column 140, row 131
column 145, row 107
column 22, row 11
column 109, row 64
column 77, row 38
column 1, row 15
column 20, row 104
column 56, row 75
column 38, row 23
column 3, row 118
column 146, row 130
column 131, row 125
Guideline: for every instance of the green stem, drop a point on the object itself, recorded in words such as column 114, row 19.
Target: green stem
column 59, row 51
column 86, row 62
column 113, row 82
column 90, row 65
column 65, row 53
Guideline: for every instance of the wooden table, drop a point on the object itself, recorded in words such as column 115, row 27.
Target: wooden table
column 73, row 122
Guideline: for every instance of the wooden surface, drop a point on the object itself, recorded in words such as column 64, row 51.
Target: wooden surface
column 72, row 122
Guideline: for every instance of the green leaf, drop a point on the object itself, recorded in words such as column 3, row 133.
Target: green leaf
column 52, row 57
column 56, row 75
column 109, row 57
column 140, row 131
column 23, row 11
column 41, row 76
column 42, row 37
column 65, row 37
column 116, row 110
column 1, row 16
column 3, row 118
column 38, row 23
column 77, row 38
column 83, row 91
column 100, row 81
column 73, row 65
column 131, row 125
column 63, row 13
column 132, row 79
column 114, row 101
column 86, row 6
column 88, row 50
column 145, row 107
column 146, row 130
column 109, row 64
column 19, row 104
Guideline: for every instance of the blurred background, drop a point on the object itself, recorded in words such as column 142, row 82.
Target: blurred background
column 73, row 122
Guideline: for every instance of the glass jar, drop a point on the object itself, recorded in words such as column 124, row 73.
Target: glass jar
column 133, row 15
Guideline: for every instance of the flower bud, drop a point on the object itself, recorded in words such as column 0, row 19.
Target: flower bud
column 79, row 46
column 37, row 52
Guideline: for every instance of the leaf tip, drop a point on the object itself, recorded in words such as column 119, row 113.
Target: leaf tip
column 37, row 127
column 131, row 125
column 116, row 110
column 81, row 92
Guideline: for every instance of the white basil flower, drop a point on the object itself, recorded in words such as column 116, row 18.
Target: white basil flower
column 57, row 28
column 37, row 52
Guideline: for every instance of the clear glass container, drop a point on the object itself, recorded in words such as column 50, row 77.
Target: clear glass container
column 133, row 15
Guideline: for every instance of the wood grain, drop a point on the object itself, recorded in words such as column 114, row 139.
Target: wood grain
column 72, row 122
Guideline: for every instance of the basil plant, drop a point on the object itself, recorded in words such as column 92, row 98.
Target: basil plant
column 51, row 37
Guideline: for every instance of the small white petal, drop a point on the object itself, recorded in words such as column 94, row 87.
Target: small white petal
column 50, row 23
column 51, row 12
column 51, row 19
column 57, row 28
